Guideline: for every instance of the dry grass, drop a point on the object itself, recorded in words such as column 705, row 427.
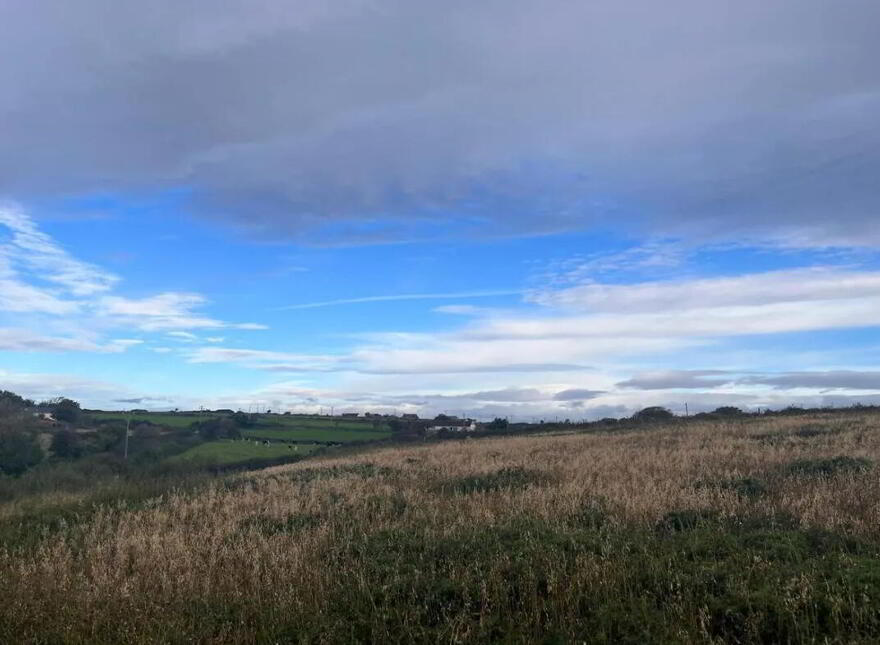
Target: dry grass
column 315, row 551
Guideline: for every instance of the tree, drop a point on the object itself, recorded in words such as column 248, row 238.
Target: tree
column 222, row 428
column 12, row 403
column 66, row 444
column 18, row 452
column 66, row 410
column 497, row 424
column 728, row 411
column 653, row 414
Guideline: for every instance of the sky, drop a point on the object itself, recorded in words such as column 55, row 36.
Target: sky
column 534, row 210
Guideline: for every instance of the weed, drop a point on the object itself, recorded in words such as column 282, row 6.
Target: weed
column 828, row 467
column 512, row 478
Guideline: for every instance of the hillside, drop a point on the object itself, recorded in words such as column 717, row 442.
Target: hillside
column 755, row 530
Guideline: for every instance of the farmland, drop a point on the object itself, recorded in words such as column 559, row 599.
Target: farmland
column 319, row 429
column 327, row 434
column 169, row 419
column 228, row 452
column 754, row 530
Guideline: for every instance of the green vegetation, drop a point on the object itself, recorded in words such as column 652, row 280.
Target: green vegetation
column 608, row 537
column 167, row 419
column 741, row 581
column 327, row 434
column 229, row 452
column 828, row 467
column 506, row 478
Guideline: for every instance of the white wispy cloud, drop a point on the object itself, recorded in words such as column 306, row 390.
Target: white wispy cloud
column 41, row 279
column 404, row 296
column 33, row 251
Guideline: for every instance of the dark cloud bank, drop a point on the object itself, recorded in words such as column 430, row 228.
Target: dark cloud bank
column 375, row 120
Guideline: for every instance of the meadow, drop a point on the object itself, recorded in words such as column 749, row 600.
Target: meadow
column 319, row 429
column 229, row 451
column 757, row 530
column 169, row 419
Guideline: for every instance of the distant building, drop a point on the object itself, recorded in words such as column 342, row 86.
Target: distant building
column 350, row 414
column 411, row 417
column 453, row 425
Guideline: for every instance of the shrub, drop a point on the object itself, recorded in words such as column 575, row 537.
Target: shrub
column 18, row 452
column 506, row 478
column 744, row 486
column 686, row 520
column 269, row 526
column 829, row 467
column 653, row 414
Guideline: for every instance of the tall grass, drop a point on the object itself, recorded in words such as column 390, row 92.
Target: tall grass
column 699, row 533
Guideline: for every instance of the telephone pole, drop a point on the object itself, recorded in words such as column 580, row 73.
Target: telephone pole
column 127, row 427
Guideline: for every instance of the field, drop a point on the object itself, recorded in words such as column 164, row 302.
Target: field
column 300, row 429
column 316, row 434
column 320, row 429
column 172, row 420
column 228, row 452
column 763, row 530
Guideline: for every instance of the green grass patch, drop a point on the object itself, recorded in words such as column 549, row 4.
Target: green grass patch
column 744, row 580
column 504, row 479
column 748, row 487
column 326, row 423
column 326, row 435
column 829, row 467
column 289, row 525
column 364, row 470
column 230, row 452
column 168, row 419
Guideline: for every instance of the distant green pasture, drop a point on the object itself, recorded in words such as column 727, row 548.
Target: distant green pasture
column 326, row 422
column 230, row 452
column 158, row 418
column 317, row 434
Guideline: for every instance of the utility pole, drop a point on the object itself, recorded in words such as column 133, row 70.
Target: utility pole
column 127, row 427
column 686, row 413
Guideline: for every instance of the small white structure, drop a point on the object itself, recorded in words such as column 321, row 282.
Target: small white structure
column 454, row 425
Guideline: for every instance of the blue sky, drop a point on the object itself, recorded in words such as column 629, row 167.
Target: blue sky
column 495, row 209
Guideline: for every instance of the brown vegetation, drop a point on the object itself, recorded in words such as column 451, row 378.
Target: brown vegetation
column 386, row 545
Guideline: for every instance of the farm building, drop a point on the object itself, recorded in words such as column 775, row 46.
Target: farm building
column 453, row 425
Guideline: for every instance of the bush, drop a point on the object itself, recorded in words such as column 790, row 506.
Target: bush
column 829, row 467
column 506, row 478
column 745, row 486
column 66, row 444
column 18, row 452
column 66, row 410
column 653, row 414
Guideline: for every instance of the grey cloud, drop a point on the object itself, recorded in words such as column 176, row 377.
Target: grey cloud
column 378, row 120
column 504, row 367
column 576, row 395
column 677, row 379
column 140, row 399
column 831, row 380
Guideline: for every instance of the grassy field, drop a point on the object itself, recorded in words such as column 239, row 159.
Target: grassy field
column 228, row 452
column 317, row 434
column 760, row 531
column 169, row 419
column 327, row 423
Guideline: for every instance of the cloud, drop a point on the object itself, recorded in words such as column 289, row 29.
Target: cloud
column 827, row 380
column 36, row 274
column 678, row 379
column 165, row 311
column 272, row 361
column 37, row 253
column 507, row 117
column 25, row 340
column 576, row 394
column 794, row 285
column 406, row 296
